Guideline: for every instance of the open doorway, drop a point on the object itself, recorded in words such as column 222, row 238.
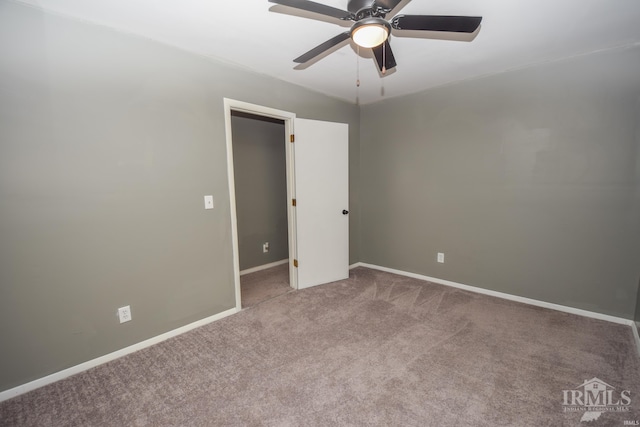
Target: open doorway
column 317, row 201
column 260, row 176
column 248, row 209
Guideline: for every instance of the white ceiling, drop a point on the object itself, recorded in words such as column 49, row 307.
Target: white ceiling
column 265, row 37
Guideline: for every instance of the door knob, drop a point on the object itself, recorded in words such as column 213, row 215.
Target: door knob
column 344, row 212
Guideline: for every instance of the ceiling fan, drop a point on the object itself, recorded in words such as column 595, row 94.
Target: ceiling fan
column 370, row 29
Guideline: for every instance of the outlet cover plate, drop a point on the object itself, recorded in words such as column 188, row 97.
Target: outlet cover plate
column 124, row 314
column 208, row 202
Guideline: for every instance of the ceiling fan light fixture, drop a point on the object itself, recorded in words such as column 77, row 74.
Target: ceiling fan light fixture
column 370, row 32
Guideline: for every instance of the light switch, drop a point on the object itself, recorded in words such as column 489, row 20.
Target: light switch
column 208, row 202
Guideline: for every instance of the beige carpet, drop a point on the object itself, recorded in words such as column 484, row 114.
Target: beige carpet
column 376, row 349
column 263, row 285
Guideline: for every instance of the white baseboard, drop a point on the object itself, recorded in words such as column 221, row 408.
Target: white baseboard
column 636, row 337
column 57, row 376
column 503, row 295
column 264, row 267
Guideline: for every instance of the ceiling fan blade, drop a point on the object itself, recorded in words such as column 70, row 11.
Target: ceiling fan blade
column 318, row 50
column 384, row 53
column 387, row 4
column 311, row 6
column 456, row 24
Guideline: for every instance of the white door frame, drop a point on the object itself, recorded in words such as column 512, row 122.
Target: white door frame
column 288, row 118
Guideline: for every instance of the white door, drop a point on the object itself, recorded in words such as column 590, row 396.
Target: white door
column 322, row 201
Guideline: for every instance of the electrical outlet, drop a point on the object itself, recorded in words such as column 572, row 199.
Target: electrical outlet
column 265, row 247
column 124, row 313
column 440, row 257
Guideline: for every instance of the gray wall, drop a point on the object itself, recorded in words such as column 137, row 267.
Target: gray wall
column 527, row 181
column 108, row 143
column 260, row 174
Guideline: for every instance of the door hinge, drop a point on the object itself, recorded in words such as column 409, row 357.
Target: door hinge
column 293, row 202
column 295, row 263
column 292, row 138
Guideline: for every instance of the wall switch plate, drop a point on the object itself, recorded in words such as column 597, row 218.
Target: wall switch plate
column 208, row 202
column 440, row 257
column 124, row 313
column 265, row 247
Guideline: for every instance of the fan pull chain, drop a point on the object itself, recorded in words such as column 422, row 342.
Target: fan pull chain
column 384, row 58
column 358, row 65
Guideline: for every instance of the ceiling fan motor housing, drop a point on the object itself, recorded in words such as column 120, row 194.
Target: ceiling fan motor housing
column 356, row 5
